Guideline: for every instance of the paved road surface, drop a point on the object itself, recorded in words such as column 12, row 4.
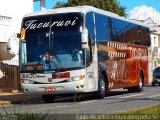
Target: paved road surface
column 118, row 101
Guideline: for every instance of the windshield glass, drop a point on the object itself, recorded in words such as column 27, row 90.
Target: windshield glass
column 50, row 44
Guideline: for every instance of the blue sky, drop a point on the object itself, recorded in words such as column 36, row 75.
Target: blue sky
column 135, row 9
column 49, row 4
column 129, row 4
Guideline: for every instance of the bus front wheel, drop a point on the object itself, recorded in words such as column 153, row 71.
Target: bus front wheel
column 101, row 88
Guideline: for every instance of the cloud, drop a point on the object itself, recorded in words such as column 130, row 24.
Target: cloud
column 143, row 12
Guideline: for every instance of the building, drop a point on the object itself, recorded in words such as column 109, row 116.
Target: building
column 10, row 23
column 5, row 31
column 155, row 41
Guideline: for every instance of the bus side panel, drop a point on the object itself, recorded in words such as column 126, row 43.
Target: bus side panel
column 117, row 65
column 121, row 51
column 137, row 64
column 112, row 58
column 111, row 55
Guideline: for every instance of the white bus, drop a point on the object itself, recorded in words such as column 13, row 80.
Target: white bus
column 81, row 50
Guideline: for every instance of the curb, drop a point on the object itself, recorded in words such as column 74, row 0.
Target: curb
column 7, row 99
column 5, row 103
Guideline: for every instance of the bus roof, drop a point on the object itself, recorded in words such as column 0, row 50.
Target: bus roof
column 83, row 9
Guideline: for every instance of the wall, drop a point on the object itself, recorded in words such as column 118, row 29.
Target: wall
column 5, row 27
column 11, row 14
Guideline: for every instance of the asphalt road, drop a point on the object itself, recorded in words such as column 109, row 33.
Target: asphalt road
column 117, row 101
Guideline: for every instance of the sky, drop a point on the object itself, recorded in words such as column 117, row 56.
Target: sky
column 135, row 9
column 142, row 9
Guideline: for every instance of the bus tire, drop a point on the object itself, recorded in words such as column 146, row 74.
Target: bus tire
column 101, row 88
column 48, row 98
column 139, row 88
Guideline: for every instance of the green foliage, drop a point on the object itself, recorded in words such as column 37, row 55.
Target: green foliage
column 22, row 116
column 15, row 115
column 108, row 5
column 150, row 110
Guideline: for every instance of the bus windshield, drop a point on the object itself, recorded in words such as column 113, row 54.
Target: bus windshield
column 48, row 48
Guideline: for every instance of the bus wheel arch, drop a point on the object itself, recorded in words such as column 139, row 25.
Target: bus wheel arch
column 140, row 85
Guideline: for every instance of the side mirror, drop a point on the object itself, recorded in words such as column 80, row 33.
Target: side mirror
column 84, row 38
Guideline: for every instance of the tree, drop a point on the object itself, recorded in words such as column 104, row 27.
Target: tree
column 108, row 5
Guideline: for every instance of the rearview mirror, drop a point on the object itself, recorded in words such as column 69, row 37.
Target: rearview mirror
column 84, row 38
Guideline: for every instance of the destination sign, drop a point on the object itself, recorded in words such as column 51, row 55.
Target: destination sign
column 55, row 22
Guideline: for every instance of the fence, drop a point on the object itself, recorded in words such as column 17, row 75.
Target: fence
column 9, row 77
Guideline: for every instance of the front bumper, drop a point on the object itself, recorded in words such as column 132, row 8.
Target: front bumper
column 60, row 88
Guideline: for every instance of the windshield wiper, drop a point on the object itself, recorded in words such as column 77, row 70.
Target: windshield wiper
column 59, row 61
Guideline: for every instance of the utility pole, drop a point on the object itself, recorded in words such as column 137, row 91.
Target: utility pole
column 42, row 4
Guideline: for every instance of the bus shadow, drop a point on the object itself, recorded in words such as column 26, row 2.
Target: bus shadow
column 71, row 98
column 85, row 97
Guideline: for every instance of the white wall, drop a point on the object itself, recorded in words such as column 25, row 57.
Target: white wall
column 5, row 27
column 15, row 9
column 154, row 40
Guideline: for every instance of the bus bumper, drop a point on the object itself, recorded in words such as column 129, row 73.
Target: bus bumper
column 60, row 88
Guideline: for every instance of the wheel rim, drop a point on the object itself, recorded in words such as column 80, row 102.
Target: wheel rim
column 102, row 86
column 140, row 82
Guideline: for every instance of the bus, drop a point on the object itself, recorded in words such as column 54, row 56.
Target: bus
column 82, row 49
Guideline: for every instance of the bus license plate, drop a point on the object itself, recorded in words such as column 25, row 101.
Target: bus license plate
column 50, row 89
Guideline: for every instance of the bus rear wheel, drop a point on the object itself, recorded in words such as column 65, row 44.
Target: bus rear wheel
column 138, row 88
column 48, row 98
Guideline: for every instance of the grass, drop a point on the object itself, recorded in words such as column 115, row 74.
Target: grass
column 150, row 110
column 150, row 113
column 15, row 115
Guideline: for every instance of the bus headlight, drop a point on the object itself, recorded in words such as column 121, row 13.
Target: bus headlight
column 27, row 81
column 77, row 78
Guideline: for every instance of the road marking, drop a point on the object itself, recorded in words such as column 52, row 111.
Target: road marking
column 152, row 96
column 131, row 96
column 62, row 106
column 88, row 101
